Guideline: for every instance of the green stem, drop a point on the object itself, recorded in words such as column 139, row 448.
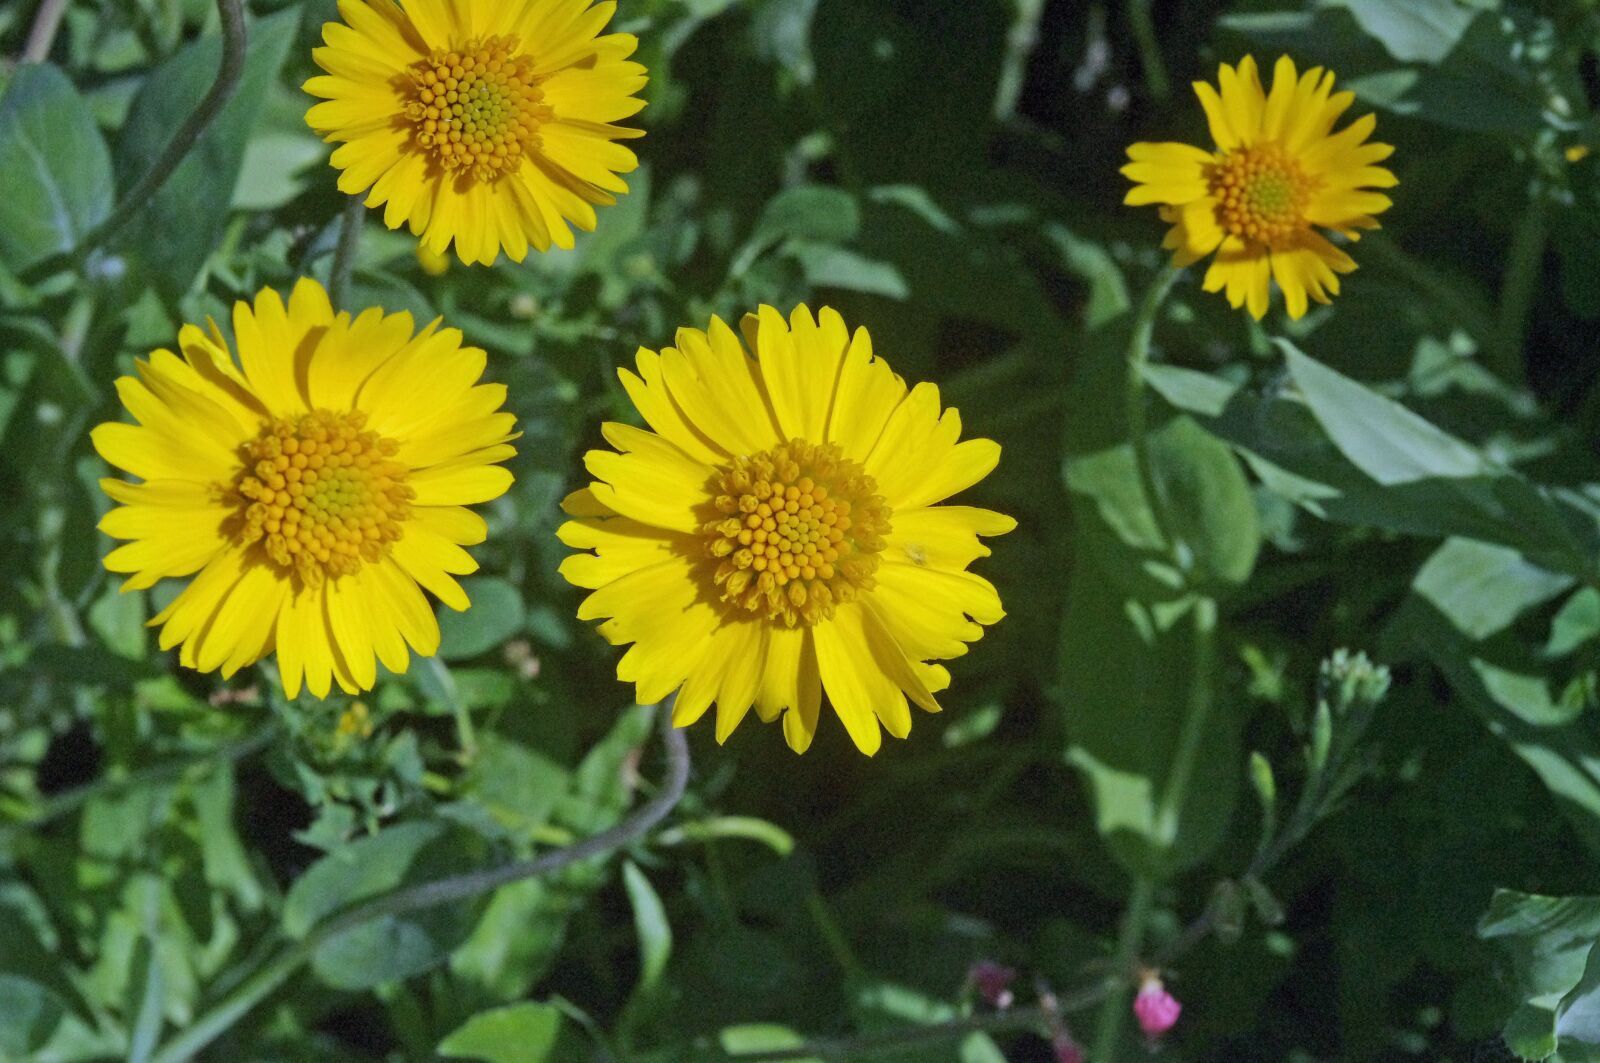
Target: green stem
column 229, row 72
column 1144, row 34
column 42, row 34
column 1517, row 292
column 344, row 253
column 70, row 800
column 1144, row 324
column 1194, row 724
column 208, row 1027
column 1114, row 1009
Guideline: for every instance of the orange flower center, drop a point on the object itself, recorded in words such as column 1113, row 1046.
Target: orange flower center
column 1261, row 193
column 477, row 110
column 801, row 530
column 321, row 494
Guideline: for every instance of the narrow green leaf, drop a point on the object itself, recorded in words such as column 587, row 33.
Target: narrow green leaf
column 650, row 922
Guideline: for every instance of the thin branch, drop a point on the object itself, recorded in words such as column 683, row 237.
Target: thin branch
column 229, row 73
column 42, row 35
column 344, row 253
column 251, row 992
column 68, row 801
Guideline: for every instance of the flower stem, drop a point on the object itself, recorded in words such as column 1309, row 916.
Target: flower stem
column 42, row 34
column 1114, row 1009
column 208, row 1027
column 1517, row 292
column 1144, row 324
column 229, row 72
column 1144, row 34
column 1194, row 724
column 344, row 253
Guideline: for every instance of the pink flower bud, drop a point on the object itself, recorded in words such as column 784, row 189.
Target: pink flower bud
column 1066, row 1049
column 1156, row 1009
column 993, row 983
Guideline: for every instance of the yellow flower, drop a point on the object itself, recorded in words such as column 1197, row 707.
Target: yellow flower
column 486, row 122
column 309, row 489
column 1278, row 174
column 776, row 533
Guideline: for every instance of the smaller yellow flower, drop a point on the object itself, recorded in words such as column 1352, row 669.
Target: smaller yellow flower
column 1278, row 174
column 489, row 124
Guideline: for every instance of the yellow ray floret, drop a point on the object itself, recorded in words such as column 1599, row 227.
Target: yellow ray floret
column 1277, row 175
column 312, row 488
column 776, row 533
column 487, row 123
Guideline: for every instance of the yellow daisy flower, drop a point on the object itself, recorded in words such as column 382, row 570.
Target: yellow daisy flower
column 309, row 488
column 776, row 532
column 487, row 122
column 1278, row 174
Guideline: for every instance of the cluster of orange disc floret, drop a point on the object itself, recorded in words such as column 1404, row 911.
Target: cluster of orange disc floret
column 1261, row 193
column 801, row 531
column 478, row 108
column 322, row 494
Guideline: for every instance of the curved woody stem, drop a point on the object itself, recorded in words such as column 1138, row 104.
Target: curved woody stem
column 253, row 990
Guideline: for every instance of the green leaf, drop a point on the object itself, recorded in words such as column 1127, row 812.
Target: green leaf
column 1207, row 500
column 57, row 170
column 1415, row 31
column 1576, row 624
column 1482, row 588
column 1578, row 1014
column 518, row 1033
column 1380, row 437
column 29, row 1015
column 769, row 834
column 810, row 212
column 826, row 266
column 1549, row 941
column 761, row 1037
column 495, row 615
column 651, row 925
column 366, row 867
column 173, row 235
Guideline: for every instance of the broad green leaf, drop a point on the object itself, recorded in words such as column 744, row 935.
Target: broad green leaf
column 57, row 184
column 1207, row 500
column 1578, row 1014
column 29, row 1014
column 1380, row 437
column 1296, row 454
column 494, row 616
column 810, row 212
column 1415, row 31
column 1576, row 624
column 174, row 234
column 1549, row 941
column 518, row 1033
column 1484, row 588
column 366, row 867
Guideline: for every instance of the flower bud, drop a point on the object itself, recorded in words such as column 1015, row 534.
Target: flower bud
column 1156, row 1009
column 993, row 983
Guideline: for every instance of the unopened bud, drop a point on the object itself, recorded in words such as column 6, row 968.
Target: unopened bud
column 1156, row 1009
column 993, row 983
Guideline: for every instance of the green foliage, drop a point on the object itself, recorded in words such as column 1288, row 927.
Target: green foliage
column 1365, row 544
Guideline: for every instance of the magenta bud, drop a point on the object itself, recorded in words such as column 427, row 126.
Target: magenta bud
column 993, row 983
column 1066, row 1049
column 1156, row 1009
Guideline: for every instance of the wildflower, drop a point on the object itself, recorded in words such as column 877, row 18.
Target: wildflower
column 1278, row 174
column 1156, row 1009
column 993, row 983
column 309, row 489
column 777, row 534
column 492, row 125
